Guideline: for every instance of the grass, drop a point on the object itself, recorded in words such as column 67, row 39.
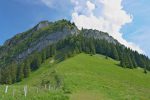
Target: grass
column 43, row 73
column 96, row 78
column 82, row 77
column 35, row 89
column 17, row 93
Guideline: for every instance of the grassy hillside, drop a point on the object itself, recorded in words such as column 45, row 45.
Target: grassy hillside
column 82, row 77
column 96, row 78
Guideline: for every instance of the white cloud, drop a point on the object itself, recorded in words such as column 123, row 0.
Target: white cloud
column 90, row 5
column 104, row 15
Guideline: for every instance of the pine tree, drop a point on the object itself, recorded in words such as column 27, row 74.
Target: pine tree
column 13, row 71
column 108, row 50
column 106, row 57
column 6, row 75
column 19, row 76
column 36, row 61
column 92, row 48
column 133, row 61
column 115, row 53
column 122, row 61
column 8, row 78
column 52, row 50
column 26, row 69
column 119, row 51
column 43, row 55
column 128, row 61
column 48, row 52
column 145, row 70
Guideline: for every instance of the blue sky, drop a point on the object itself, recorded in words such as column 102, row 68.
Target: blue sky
column 138, row 31
column 19, row 15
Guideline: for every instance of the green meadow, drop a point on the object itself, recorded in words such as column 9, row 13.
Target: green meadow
column 82, row 77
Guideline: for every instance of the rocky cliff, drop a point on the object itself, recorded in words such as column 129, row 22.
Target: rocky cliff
column 42, row 35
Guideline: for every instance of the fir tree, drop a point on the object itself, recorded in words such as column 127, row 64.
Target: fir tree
column 145, row 70
column 13, row 71
column 36, row 62
column 43, row 55
column 19, row 76
column 122, row 61
column 115, row 53
column 26, row 69
column 133, row 61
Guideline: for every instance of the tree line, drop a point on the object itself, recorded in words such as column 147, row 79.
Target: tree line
column 68, row 47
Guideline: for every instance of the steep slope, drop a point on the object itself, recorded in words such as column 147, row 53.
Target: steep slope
column 35, row 39
column 25, row 52
column 99, row 35
column 96, row 78
column 86, row 77
column 42, row 35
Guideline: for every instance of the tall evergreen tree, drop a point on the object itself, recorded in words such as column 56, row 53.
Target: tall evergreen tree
column 36, row 61
column 48, row 53
column 20, row 75
column 26, row 69
column 8, row 79
column 52, row 50
column 13, row 71
column 43, row 55
column 115, row 53
column 122, row 61
column 145, row 70
column 6, row 76
column 133, row 61
column 92, row 47
column 130, row 64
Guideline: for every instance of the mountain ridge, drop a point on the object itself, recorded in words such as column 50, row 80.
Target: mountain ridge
column 51, row 37
column 25, row 52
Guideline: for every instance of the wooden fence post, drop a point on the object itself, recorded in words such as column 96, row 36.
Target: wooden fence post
column 25, row 90
column 37, row 89
column 13, row 92
column 6, row 89
column 49, row 87
column 45, row 86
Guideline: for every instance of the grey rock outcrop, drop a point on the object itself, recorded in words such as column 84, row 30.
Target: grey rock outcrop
column 55, row 31
column 99, row 35
column 42, row 25
column 47, row 40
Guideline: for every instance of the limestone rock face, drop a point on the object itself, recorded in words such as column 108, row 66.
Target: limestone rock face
column 99, row 35
column 42, row 35
column 42, row 25
column 44, row 41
